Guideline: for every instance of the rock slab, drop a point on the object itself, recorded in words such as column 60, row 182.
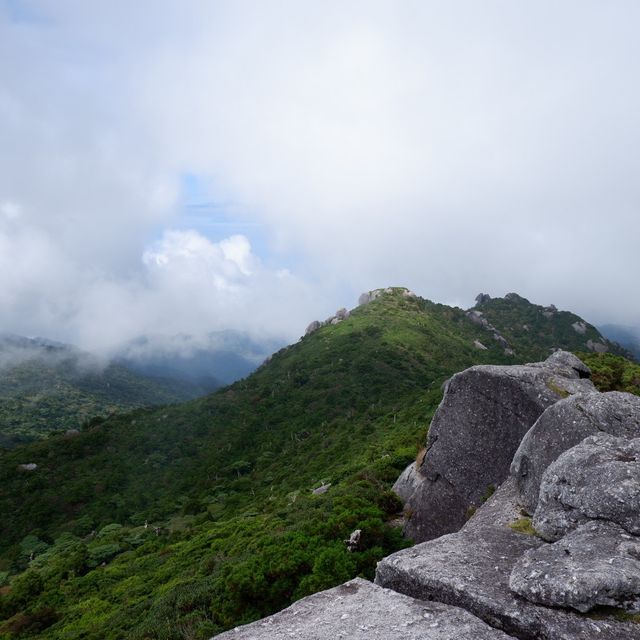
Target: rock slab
column 471, row 569
column 597, row 564
column 360, row 610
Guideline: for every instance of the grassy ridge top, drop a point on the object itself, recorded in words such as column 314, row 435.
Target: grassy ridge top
column 227, row 481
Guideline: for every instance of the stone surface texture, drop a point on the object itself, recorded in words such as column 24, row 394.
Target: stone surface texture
column 407, row 482
column 471, row 569
column 597, row 564
column 485, row 413
column 360, row 610
column 597, row 479
column 564, row 425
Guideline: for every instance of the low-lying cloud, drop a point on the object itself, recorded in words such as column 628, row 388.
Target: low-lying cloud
column 451, row 149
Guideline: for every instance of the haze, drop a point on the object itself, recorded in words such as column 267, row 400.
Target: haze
column 199, row 166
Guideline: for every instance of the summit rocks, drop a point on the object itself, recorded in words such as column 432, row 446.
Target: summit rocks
column 485, row 413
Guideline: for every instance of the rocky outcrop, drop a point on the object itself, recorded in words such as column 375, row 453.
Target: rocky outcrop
column 485, row 412
column 338, row 316
column 407, row 482
column 471, row 570
column 580, row 327
column 482, row 298
column 478, row 318
column 312, row 327
column 491, row 575
column 597, row 564
column 370, row 296
column 360, row 610
column 597, row 479
column 597, row 347
column 564, row 425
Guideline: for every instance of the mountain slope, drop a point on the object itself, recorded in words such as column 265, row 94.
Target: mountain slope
column 227, row 480
column 532, row 331
column 47, row 386
column 628, row 337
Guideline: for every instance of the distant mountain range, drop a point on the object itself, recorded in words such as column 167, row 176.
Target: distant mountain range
column 186, row 520
column 628, row 337
column 48, row 386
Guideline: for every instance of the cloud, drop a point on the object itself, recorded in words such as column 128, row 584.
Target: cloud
column 450, row 148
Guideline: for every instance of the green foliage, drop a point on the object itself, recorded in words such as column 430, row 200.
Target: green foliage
column 183, row 521
column 65, row 389
column 534, row 331
column 612, row 373
column 523, row 525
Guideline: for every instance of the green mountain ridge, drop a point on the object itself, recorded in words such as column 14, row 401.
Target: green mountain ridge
column 183, row 521
column 47, row 386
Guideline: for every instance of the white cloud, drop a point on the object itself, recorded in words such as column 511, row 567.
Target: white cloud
column 451, row 148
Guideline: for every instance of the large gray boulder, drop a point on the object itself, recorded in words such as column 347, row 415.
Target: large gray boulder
column 597, row 479
column 485, row 412
column 471, row 569
column 597, row 564
column 564, row 425
column 407, row 482
column 360, row 610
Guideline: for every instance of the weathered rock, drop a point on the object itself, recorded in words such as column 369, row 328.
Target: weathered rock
column 597, row 564
column 482, row 298
column 498, row 337
column 598, row 347
column 407, row 482
column 570, row 365
column 500, row 510
column 566, row 424
column 369, row 296
column 29, row 466
column 478, row 345
column 579, row 327
column 477, row 318
column 485, row 412
column 598, row 478
column 323, row 488
column 353, row 541
column 360, row 610
column 471, row 569
column 313, row 326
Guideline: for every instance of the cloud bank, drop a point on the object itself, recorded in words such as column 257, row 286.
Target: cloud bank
column 449, row 148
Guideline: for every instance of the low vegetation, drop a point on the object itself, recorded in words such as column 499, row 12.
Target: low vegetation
column 182, row 521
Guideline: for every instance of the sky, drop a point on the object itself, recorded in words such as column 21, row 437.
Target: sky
column 185, row 167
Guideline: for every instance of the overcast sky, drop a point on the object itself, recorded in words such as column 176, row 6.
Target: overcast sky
column 199, row 165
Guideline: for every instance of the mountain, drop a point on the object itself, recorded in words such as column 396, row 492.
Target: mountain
column 47, row 386
column 532, row 331
column 182, row 521
column 628, row 337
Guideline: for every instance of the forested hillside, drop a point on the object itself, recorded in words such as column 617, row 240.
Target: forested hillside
column 182, row 521
column 46, row 386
